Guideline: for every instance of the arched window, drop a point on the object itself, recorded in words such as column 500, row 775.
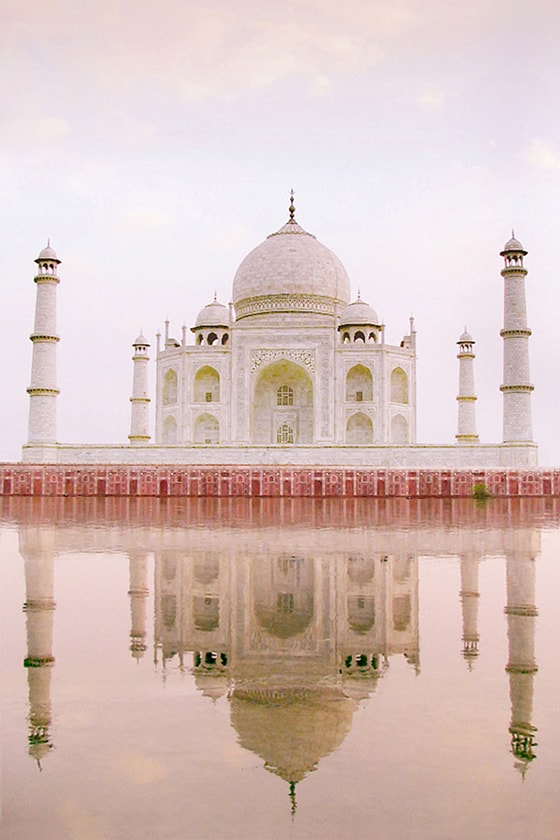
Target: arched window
column 399, row 429
column 170, row 430
column 207, row 385
column 225, row 339
column 285, row 395
column 359, row 384
column 212, row 339
column 170, row 387
column 359, row 429
column 207, row 429
column 399, row 386
column 359, row 337
column 285, row 434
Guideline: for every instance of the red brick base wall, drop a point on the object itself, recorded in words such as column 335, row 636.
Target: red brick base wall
column 228, row 481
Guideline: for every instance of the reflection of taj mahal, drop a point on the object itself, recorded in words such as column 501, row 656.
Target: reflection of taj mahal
column 295, row 625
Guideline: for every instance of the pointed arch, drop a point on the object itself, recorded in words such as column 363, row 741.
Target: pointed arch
column 207, row 385
column 170, row 430
column 359, row 429
column 169, row 387
column 282, row 395
column 206, row 429
column 399, row 386
column 399, row 429
column 359, row 384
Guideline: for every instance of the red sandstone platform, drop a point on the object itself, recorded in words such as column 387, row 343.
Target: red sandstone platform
column 289, row 482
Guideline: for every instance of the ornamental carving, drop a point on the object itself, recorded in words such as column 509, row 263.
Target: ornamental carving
column 302, row 357
column 284, row 303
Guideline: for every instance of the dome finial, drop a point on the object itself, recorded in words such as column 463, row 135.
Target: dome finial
column 292, row 208
column 215, row 296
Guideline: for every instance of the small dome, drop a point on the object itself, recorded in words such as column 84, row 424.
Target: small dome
column 466, row 338
column 513, row 244
column 213, row 315
column 141, row 342
column 357, row 313
column 47, row 253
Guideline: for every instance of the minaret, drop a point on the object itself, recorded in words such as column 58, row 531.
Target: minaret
column 466, row 422
column 140, row 401
column 42, row 390
column 469, row 600
column 517, row 386
column 521, row 616
column 37, row 550
column 138, row 593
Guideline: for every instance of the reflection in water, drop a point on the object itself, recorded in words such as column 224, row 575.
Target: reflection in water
column 38, row 550
column 292, row 611
column 293, row 640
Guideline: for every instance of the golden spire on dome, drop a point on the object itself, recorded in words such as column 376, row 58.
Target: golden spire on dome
column 292, row 208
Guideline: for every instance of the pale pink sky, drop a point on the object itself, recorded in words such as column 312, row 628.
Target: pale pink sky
column 156, row 144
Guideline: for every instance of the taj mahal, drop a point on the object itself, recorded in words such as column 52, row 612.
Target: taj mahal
column 295, row 370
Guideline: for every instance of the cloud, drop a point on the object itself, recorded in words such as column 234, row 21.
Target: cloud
column 542, row 154
column 431, row 99
column 25, row 130
column 194, row 49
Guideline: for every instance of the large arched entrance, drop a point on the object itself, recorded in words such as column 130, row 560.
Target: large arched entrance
column 282, row 409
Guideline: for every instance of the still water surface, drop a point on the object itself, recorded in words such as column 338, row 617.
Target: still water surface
column 280, row 669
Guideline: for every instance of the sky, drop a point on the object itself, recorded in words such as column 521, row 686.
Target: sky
column 156, row 144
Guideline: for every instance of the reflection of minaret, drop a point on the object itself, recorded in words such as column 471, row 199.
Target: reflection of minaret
column 138, row 570
column 37, row 549
column 469, row 600
column 521, row 613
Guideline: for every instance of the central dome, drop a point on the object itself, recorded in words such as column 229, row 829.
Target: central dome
column 290, row 272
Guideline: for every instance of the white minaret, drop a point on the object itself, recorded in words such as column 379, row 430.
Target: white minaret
column 517, row 386
column 466, row 422
column 42, row 390
column 140, row 401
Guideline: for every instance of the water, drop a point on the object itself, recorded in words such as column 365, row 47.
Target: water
column 280, row 669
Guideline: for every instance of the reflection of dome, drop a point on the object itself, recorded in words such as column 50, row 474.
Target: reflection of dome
column 291, row 729
column 290, row 272
column 213, row 315
column 359, row 313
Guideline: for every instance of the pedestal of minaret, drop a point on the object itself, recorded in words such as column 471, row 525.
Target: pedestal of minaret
column 521, row 618
column 470, row 597
column 38, row 550
column 140, row 401
column 43, row 390
column 516, row 386
column 138, row 592
column 466, row 399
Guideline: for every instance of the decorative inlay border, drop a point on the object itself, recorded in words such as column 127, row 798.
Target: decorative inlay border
column 302, row 357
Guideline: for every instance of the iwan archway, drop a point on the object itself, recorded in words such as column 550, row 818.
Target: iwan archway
column 282, row 406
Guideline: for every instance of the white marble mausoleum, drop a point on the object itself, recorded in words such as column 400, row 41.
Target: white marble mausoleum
column 295, row 370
